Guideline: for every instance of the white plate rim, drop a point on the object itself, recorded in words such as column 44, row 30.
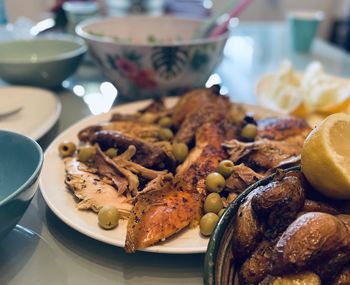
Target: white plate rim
column 43, row 128
column 93, row 119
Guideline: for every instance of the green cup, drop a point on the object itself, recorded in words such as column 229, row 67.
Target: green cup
column 303, row 28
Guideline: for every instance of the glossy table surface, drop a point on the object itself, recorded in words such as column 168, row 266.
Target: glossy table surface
column 43, row 250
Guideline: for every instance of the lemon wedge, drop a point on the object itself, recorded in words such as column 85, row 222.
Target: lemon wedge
column 304, row 94
column 282, row 98
column 325, row 157
column 328, row 96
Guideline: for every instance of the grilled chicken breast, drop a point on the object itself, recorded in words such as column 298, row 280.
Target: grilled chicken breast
column 93, row 192
column 161, row 213
column 196, row 108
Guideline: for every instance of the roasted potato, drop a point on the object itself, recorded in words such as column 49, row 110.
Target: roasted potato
column 256, row 266
column 278, row 203
column 345, row 219
column 303, row 278
column 344, row 277
column 328, row 269
column 311, row 238
column 248, row 230
column 316, row 206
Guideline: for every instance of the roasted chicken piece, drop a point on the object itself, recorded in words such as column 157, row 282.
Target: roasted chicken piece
column 93, row 192
column 278, row 144
column 156, row 106
column 241, row 177
column 291, row 129
column 159, row 214
column 147, row 154
column 196, row 108
column 263, row 155
column 139, row 130
column 107, row 170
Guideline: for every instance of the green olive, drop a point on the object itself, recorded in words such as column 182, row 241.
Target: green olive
column 66, row 149
column 208, row 223
column 225, row 168
column 148, row 118
column 165, row 122
column 85, row 153
column 111, row 152
column 215, row 182
column 213, row 203
column 249, row 132
column 180, row 151
column 221, row 212
column 108, row 217
column 165, row 134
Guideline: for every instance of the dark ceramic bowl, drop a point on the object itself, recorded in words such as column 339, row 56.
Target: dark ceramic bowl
column 21, row 159
column 219, row 266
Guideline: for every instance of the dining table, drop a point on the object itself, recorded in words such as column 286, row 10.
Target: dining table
column 42, row 249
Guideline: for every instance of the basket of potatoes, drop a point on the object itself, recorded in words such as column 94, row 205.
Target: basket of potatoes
column 281, row 231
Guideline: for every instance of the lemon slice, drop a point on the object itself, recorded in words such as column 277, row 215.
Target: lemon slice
column 328, row 96
column 325, row 157
column 280, row 97
column 311, row 75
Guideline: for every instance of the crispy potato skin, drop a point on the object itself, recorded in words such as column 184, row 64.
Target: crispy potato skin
column 309, row 239
column 278, row 203
column 279, row 232
column 316, row 206
column 248, row 230
column 302, row 278
column 344, row 277
column 255, row 267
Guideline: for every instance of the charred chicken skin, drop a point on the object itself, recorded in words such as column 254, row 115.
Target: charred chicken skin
column 161, row 213
column 277, row 144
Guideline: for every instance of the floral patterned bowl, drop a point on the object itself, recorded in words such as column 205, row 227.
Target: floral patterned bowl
column 146, row 56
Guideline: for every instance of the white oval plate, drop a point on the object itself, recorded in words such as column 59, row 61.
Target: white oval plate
column 63, row 204
column 40, row 110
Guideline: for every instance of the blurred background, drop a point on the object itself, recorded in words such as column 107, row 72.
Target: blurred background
column 335, row 28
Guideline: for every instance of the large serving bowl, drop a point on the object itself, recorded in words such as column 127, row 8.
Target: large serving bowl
column 20, row 165
column 219, row 264
column 43, row 62
column 146, row 56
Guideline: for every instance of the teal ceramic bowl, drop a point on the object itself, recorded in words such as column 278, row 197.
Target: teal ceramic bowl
column 43, row 62
column 145, row 56
column 219, row 265
column 20, row 165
